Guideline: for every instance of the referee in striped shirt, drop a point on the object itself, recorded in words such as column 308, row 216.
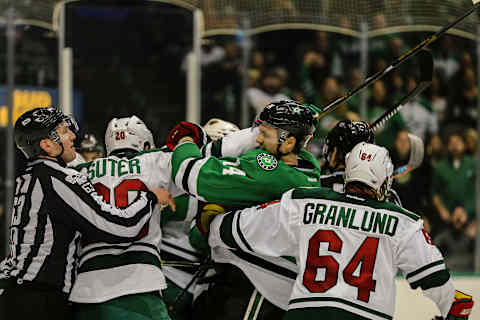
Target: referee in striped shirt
column 53, row 206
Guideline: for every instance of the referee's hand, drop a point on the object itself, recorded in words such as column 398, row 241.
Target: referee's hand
column 164, row 197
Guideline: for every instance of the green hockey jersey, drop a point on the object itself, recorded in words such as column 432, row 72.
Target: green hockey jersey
column 253, row 178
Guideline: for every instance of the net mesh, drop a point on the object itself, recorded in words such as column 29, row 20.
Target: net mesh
column 228, row 16
column 382, row 16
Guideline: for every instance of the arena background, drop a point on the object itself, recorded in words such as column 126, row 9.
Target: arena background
column 166, row 61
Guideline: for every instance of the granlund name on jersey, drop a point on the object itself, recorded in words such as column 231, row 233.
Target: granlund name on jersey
column 348, row 251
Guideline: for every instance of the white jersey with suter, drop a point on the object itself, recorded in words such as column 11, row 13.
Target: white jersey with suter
column 107, row 271
column 348, row 250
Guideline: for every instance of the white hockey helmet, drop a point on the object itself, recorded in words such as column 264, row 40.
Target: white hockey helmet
column 127, row 133
column 216, row 128
column 370, row 164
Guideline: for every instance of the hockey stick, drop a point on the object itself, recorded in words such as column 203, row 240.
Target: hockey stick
column 425, row 60
column 416, row 156
column 168, row 263
column 380, row 74
column 416, row 144
column 202, row 269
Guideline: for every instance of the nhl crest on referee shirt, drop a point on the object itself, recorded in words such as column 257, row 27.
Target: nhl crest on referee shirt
column 267, row 161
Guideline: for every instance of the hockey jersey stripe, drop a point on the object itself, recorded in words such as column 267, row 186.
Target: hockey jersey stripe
column 259, row 262
column 112, row 261
column 325, row 301
column 72, row 259
column 121, row 246
column 122, row 225
column 216, row 150
column 186, row 174
column 213, row 149
column 226, row 231
column 166, row 243
column 239, row 232
column 424, row 268
column 433, row 280
column 42, row 237
column 35, row 222
column 24, row 184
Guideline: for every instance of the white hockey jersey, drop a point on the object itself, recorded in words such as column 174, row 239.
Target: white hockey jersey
column 348, row 252
column 107, row 271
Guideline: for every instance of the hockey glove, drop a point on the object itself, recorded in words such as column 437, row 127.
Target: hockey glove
column 186, row 129
column 461, row 307
column 209, row 211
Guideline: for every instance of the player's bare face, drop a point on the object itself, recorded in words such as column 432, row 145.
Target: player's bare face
column 268, row 138
column 67, row 137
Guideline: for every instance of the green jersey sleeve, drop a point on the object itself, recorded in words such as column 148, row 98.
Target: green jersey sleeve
column 253, row 178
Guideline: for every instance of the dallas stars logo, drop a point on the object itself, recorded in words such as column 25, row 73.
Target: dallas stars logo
column 267, row 161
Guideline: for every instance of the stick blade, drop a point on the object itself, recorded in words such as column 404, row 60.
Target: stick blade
column 416, row 151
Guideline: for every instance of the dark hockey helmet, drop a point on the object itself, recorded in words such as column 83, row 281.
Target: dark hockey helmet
column 90, row 143
column 345, row 135
column 290, row 118
column 37, row 124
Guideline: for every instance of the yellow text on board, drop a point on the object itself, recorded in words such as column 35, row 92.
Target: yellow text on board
column 24, row 100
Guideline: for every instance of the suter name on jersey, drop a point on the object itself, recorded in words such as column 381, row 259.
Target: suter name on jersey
column 113, row 167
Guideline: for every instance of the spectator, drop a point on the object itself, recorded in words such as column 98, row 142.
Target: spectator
column 257, row 66
column 331, row 90
column 378, row 46
column 445, row 59
column 434, row 150
column 377, row 104
column 355, row 80
column 282, row 73
column 463, row 102
column 397, row 87
column 437, row 97
column 458, row 242
column 412, row 187
column 221, row 82
column 453, row 180
column 418, row 118
column 318, row 63
column 269, row 91
column 471, row 137
column 211, row 52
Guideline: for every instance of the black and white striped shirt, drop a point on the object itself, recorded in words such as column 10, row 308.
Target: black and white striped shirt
column 53, row 207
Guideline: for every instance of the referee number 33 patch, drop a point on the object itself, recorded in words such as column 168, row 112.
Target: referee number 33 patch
column 267, row 161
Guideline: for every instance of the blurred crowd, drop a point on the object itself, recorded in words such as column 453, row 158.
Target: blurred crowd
column 316, row 67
